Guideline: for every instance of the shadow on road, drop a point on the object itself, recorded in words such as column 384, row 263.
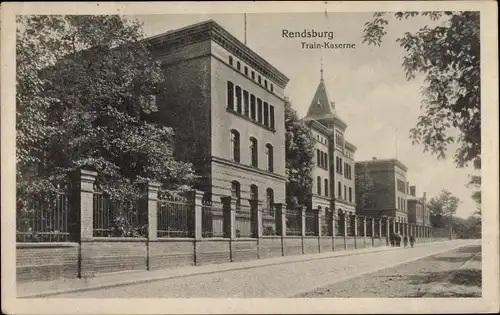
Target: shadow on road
column 467, row 277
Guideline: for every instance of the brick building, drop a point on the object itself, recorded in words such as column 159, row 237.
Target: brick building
column 226, row 105
column 333, row 173
column 418, row 213
column 389, row 196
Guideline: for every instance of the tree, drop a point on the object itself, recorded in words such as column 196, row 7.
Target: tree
column 442, row 208
column 364, row 186
column 448, row 56
column 84, row 93
column 299, row 150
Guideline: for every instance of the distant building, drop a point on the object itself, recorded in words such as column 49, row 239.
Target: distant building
column 226, row 105
column 333, row 173
column 418, row 213
column 389, row 195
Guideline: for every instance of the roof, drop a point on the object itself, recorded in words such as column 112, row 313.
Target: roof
column 210, row 29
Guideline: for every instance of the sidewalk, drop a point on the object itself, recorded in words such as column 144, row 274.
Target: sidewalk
column 46, row 288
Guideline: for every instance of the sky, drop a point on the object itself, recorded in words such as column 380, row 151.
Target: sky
column 367, row 84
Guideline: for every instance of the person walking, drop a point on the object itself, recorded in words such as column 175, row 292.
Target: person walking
column 392, row 240
column 412, row 240
column 405, row 240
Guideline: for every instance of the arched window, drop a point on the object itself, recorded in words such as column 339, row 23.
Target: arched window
column 236, row 192
column 254, row 192
column 270, row 199
column 350, row 194
column 318, row 185
column 230, row 95
column 235, row 146
column 339, row 190
column 326, row 187
column 254, row 157
column 270, row 157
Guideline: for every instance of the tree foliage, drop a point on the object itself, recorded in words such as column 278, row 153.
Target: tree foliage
column 84, row 87
column 299, row 143
column 364, row 186
column 442, row 208
column 467, row 228
column 448, row 56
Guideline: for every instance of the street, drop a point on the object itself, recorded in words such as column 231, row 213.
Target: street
column 382, row 274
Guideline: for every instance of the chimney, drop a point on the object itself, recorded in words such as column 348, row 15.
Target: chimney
column 413, row 191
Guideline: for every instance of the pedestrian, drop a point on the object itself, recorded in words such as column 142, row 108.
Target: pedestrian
column 412, row 240
column 398, row 240
column 405, row 240
column 392, row 240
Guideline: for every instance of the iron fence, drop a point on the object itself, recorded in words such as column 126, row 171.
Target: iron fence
column 244, row 224
column 212, row 219
column 311, row 223
column 175, row 216
column 113, row 218
column 269, row 222
column 326, row 224
column 44, row 217
column 294, row 222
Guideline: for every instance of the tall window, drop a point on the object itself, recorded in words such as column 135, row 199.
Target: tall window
column 270, row 199
column 339, row 190
column 259, row 110
column 238, row 99
column 245, row 103
column 345, row 192
column 235, row 145
column 318, row 185
column 230, row 95
column 253, row 75
column 266, row 114
column 252, row 107
column 318, row 157
column 270, row 157
column 236, row 192
column 340, row 165
column 259, row 80
column 246, row 70
column 254, row 157
column 326, row 187
column 271, row 115
column 350, row 194
column 238, row 65
column 272, row 87
column 254, row 192
column 265, row 83
column 231, row 60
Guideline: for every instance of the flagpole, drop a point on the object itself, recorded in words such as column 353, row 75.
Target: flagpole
column 245, row 15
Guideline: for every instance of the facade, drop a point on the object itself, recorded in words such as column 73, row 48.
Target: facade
column 389, row 198
column 418, row 213
column 226, row 105
column 333, row 173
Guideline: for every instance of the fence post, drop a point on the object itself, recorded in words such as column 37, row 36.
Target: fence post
column 332, row 224
column 86, row 180
column 281, row 224
column 151, row 203
column 198, row 214
column 256, row 206
column 387, row 231
column 229, row 213
column 364, row 231
column 355, row 231
column 345, row 216
column 303, row 225
column 372, row 219
column 319, row 225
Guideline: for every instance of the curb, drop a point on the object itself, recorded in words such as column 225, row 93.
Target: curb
column 196, row 273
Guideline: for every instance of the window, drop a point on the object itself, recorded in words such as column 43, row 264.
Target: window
column 318, row 158
column 238, row 65
column 270, row 199
column 339, row 190
column 318, row 185
column 254, row 157
column 253, row 75
column 266, row 114
column 271, row 114
column 326, row 160
column 340, row 165
column 272, row 87
column 235, row 146
column 230, row 95
column 326, row 187
column 259, row 80
column 265, row 83
column 245, row 103
column 254, row 192
column 236, row 192
column 399, row 203
column 259, row 110
column 252, row 107
column 345, row 192
column 270, row 157
column 401, row 186
column 246, row 70
column 238, row 99
column 350, row 194
column 231, row 60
